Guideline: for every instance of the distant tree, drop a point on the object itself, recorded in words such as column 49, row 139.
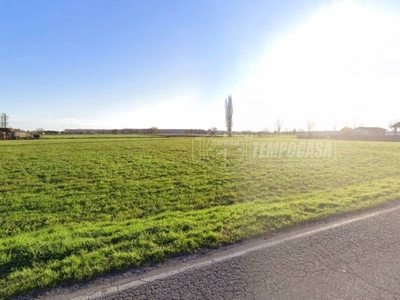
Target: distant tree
column 213, row 130
column 229, row 115
column 391, row 123
column 265, row 131
column 115, row 131
column 335, row 124
column 278, row 126
column 153, row 130
column 346, row 130
column 310, row 125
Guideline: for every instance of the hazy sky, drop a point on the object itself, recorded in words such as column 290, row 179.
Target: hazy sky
column 171, row 64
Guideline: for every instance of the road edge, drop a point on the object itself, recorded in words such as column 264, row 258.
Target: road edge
column 236, row 250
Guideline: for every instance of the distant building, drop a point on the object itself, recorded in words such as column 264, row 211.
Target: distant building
column 5, row 133
column 395, row 126
column 19, row 134
column 317, row 134
column 369, row 131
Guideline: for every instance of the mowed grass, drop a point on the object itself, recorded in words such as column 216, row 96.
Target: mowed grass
column 73, row 209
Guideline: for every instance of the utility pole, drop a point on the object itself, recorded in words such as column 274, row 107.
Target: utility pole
column 4, row 120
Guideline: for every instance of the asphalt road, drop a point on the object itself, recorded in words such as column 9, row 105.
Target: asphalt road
column 353, row 258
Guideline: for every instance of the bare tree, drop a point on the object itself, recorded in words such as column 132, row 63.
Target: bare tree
column 391, row 126
column 278, row 125
column 229, row 115
column 335, row 124
column 213, row 130
column 310, row 125
column 391, row 123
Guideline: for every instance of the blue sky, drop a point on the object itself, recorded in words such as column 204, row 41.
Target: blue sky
column 171, row 64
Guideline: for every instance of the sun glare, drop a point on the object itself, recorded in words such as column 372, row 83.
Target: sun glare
column 341, row 64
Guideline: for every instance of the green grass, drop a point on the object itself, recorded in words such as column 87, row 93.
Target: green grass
column 72, row 209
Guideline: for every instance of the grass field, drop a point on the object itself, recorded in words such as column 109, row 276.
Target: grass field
column 72, row 209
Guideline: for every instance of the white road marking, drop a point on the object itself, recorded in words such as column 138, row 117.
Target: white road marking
column 139, row 282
